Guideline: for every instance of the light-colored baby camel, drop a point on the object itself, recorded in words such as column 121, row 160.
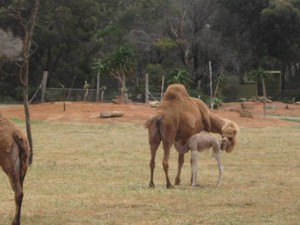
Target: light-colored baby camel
column 14, row 154
column 177, row 118
column 200, row 142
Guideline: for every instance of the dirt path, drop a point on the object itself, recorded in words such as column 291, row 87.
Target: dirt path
column 137, row 113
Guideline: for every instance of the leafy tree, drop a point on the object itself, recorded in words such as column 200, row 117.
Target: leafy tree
column 190, row 29
column 235, row 35
column 120, row 65
column 242, row 32
column 280, row 38
column 280, row 26
column 67, row 41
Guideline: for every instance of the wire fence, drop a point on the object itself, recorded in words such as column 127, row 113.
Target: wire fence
column 76, row 95
column 90, row 95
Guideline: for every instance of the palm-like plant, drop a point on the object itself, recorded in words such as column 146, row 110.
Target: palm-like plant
column 120, row 64
column 181, row 76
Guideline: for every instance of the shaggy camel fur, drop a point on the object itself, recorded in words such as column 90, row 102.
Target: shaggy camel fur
column 200, row 142
column 177, row 118
column 14, row 154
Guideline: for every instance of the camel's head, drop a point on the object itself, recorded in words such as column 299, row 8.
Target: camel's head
column 229, row 131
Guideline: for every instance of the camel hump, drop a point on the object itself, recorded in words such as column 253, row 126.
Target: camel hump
column 176, row 92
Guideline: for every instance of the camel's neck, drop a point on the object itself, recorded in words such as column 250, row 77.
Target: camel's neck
column 216, row 123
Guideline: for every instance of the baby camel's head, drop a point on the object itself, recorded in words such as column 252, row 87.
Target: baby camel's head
column 224, row 143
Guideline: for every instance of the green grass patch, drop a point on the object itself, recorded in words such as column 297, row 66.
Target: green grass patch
column 291, row 119
column 99, row 174
column 20, row 121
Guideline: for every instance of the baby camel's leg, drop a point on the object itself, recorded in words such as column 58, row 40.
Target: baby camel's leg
column 220, row 166
column 194, row 161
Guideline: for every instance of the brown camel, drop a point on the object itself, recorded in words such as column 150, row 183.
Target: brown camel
column 14, row 153
column 177, row 118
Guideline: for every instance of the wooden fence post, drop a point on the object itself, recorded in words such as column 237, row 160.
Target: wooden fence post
column 44, row 85
column 146, row 88
column 162, row 87
column 98, row 87
column 210, row 85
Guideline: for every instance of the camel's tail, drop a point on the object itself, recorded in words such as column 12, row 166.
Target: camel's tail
column 24, row 152
column 154, row 126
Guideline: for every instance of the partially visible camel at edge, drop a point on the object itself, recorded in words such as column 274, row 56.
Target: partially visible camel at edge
column 14, row 154
column 200, row 142
column 177, row 118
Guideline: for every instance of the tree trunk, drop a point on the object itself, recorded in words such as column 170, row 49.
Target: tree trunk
column 123, row 89
column 24, row 80
column 86, row 94
column 28, row 34
column 28, row 124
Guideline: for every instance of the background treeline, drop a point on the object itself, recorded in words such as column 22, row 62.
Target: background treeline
column 170, row 38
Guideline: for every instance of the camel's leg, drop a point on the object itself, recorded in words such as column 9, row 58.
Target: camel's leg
column 12, row 169
column 154, row 143
column 18, row 201
column 220, row 167
column 194, row 161
column 166, row 147
column 180, row 164
column 153, row 148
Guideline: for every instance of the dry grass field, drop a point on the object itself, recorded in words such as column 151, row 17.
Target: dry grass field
column 98, row 174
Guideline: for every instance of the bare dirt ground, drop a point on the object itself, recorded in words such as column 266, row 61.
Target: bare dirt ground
column 137, row 113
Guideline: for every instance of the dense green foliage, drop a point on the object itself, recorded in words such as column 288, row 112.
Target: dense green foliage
column 237, row 36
